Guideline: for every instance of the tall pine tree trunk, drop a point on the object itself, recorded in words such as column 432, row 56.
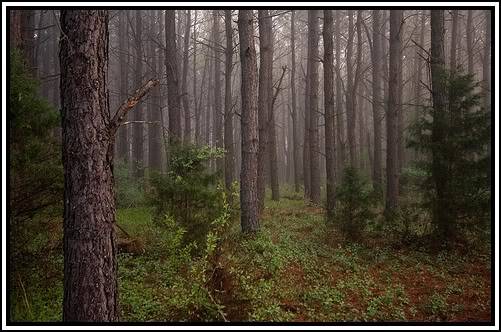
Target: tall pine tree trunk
column 330, row 144
column 392, row 114
column 90, row 265
column 229, row 166
column 377, row 101
column 313, row 34
column 295, row 124
column 171, row 65
column 184, row 83
column 249, row 124
column 138, row 128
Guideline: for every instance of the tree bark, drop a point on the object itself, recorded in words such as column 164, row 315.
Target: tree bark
column 184, row 84
column 486, row 68
column 172, row 71
column 218, row 110
column 330, row 144
column 264, row 99
column 249, row 124
column 229, row 166
column 454, row 39
column 392, row 177
column 123, row 144
column 154, row 114
column 90, row 265
column 138, row 128
column 295, row 129
column 469, row 41
column 340, row 137
column 313, row 33
column 377, row 101
column 439, row 97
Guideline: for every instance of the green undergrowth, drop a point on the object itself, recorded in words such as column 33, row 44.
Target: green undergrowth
column 298, row 268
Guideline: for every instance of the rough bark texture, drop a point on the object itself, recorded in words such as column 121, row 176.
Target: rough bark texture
column 441, row 216
column 313, row 36
column 249, row 124
column 330, row 144
column 229, row 159
column 295, row 124
column 172, row 70
column 184, row 84
column 392, row 114
column 264, row 99
column 377, row 101
column 218, row 109
column 90, row 266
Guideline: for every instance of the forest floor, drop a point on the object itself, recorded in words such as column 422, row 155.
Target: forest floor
column 296, row 269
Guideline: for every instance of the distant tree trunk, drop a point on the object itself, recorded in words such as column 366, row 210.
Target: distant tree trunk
column 400, row 112
column 218, row 110
column 90, row 265
column 172, row 70
column 138, row 131
column 249, row 124
column 341, row 157
column 330, row 142
column 441, row 216
column 418, row 64
column 194, row 82
column 313, row 33
column 295, row 129
column 27, row 44
column 357, row 95
column 155, row 116
column 486, row 68
column 123, row 144
column 377, row 101
column 184, row 84
column 454, row 39
column 396, row 17
column 469, row 41
column 306, row 141
column 264, row 101
column 272, row 152
column 350, row 93
column 229, row 166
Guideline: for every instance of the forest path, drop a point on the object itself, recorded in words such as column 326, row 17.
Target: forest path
column 300, row 269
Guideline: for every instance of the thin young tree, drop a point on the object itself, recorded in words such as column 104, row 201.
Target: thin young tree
column 330, row 143
column 249, row 124
column 229, row 166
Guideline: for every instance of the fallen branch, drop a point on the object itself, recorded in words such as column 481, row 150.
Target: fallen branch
column 130, row 103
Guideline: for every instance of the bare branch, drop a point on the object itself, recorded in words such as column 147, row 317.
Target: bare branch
column 130, row 103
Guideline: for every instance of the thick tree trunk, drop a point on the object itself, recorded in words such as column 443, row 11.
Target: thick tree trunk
column 441, row 216
column 172, row 70
column 396, row 17
column 229, row 166
column 313, row 36
column 138, row 128
column 184, row 83
column 218, row 110
column 90, row 265
column 249, row 124
column 295, row 129
column 264, row 99
column 330, row 144
column 377, row 101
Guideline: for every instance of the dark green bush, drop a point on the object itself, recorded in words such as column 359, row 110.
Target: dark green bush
column 354, row 202
column 189, row 193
